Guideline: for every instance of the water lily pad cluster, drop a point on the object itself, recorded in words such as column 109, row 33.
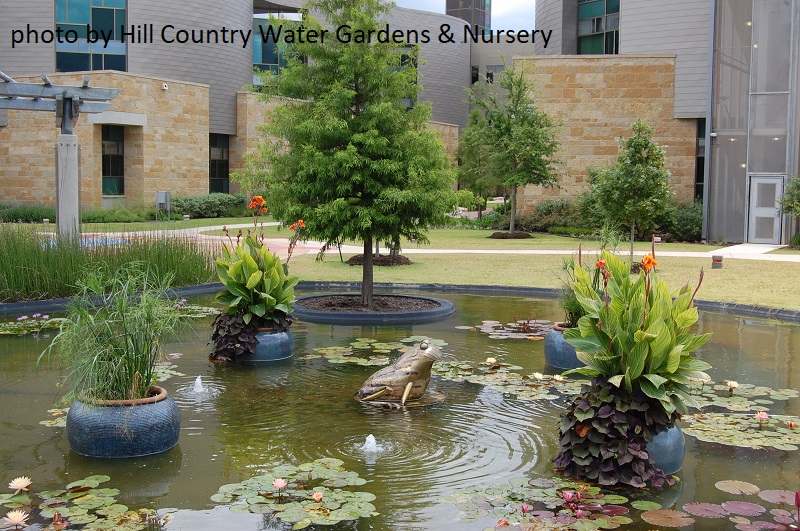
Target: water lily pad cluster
column 534, row 329
column 746, row 515
column 778, row 431
column 367, row 351
column 59, row 418
column 743, row 397
column 33, row 324
column 548, row 503
column 500, row 377
column 81, row 504
column 311, row 494
column 37, row 323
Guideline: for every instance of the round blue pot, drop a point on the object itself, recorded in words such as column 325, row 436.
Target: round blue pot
column 273, row 346
column 667, row 450
column 124, row 428
column 558, row 353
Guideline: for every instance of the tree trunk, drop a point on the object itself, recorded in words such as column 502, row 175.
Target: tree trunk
column 366, row 276
column 513, row 210
column 633, row 232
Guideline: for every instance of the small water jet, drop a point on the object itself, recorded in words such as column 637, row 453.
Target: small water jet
column 198, row 386
column 370, row 445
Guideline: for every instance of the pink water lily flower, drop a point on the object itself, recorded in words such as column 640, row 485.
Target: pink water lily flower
column 317, row 497
column 279, row 483
column 568, row 496
column 19, row 484
column 762, row 416
column 15, row 518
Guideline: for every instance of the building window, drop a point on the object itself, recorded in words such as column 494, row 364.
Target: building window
column 700, row 163
column 598, row 26
column 79, row 50
column 476, row 74
column 113, row 160
column 491, row 70
column 218, row 163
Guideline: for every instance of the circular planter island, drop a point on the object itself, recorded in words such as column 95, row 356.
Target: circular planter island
column 387, row 309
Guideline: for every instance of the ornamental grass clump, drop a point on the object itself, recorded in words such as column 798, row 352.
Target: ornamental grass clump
column 110, row 340
column 635, row 343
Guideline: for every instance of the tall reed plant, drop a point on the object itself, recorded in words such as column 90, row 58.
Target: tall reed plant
column 35, row 265
column 110, row 340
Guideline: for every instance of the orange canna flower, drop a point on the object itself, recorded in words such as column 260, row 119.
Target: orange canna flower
column 600, row 264
column 263, row 210
column 258, row 199
column 253, row 205
column 648, row 262
column 292, row 226
column 301, row 223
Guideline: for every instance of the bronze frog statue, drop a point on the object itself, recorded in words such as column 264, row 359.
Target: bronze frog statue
column 405, row 379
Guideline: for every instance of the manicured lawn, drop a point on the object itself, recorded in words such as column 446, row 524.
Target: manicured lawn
column 741, row 281
column 785, row 251
column 161, row 225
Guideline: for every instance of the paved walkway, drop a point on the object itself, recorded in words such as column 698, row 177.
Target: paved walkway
column 746, row 251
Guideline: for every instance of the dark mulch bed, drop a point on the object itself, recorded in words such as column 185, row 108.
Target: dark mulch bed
column 352, row 303
column 382, row 260
column 509, row 236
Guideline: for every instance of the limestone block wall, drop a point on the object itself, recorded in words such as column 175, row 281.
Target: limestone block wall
column 449, row 135
column 597, row 99
column 168, row 151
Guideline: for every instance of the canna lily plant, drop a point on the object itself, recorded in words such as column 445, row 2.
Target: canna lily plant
column 635, row 342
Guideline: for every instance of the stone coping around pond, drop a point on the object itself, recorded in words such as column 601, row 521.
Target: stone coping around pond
column 444, row 309
column 745, row 310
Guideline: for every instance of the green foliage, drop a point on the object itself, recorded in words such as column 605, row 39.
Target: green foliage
column 211, row 205
column 256, row 283
column 550, row 213
column 519, row 138
column 111, row 341
column 687, row 222
column 470, row 201
column 577, row 232
column 27, row 213
column 346, row 155
column 117, row 215
column 474, row 158
column 790, row 200
column 634, row 192
column 637, row 337
column 33, row 266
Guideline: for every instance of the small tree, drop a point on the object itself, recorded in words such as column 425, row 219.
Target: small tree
column 348, row 156
column 790, row 204
column 520, row 139
column 634, row 191
column 473, row 158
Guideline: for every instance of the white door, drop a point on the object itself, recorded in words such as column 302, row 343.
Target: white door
column 764, row 223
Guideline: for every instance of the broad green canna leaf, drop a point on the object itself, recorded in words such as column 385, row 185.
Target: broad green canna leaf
column 254, row 279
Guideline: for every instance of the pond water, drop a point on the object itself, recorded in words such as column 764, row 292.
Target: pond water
column 242, row 420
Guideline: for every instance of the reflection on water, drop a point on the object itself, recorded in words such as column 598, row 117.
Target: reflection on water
column 238, row 421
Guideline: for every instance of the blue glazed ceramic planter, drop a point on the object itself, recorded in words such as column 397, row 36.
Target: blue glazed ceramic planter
column 558, row 353
column 273, row 346
column 667, row 450
column 124, row 428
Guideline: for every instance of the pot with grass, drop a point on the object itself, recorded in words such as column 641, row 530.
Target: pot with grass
column 258, row 298
column 635, row 344
column 110, row 342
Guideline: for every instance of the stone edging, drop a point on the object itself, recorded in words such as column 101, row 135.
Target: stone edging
column 444, row 309
column 53, row 305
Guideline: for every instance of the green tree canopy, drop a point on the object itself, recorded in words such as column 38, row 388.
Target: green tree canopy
column 634, row 191
column 519, row 138
column 473, row 158
column 348, row 156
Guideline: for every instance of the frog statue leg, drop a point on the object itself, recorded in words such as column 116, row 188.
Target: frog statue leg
column 379, row 393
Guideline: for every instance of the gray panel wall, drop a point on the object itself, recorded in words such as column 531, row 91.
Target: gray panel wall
column 560, row 16
column 680, row 27
column 26, row 59
column 225, row 67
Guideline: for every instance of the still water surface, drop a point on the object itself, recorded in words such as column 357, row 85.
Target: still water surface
column 250, row 418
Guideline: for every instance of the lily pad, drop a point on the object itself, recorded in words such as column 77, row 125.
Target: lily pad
column 667, row 518
column 706, row 510
column 744, row 508
column 780, row 497
column 733, row 486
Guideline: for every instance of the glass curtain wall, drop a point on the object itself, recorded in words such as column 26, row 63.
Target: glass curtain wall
column 753, row 106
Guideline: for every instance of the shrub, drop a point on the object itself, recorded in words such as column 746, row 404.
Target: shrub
column 549, row 213
column 470, row 201
column 687, row 222
column 27, row 213
column 211, row 205
column 578, row 232
column 116, row 215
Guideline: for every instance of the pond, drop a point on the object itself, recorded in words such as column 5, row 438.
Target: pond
column 244, row 420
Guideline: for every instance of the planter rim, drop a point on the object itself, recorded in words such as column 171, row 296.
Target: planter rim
column 559, row 327
column 161, row 394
